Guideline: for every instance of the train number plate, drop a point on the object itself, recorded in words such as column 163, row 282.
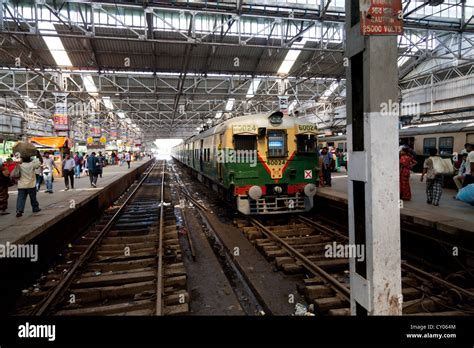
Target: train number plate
column 276, row 162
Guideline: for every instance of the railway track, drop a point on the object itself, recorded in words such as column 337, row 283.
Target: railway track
column 299, row 247
column 129, row 263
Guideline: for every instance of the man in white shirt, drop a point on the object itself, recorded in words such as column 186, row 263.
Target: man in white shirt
column 68, row 171
column 128, row 158
column 469, row 175
column 27, row 184
column 48, row 165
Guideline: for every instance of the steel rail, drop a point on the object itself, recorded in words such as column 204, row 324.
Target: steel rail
column 308, row 264
column 159, row 270
column 63, row 285
column 323, row 228
column 417, row 272
column 425, row 275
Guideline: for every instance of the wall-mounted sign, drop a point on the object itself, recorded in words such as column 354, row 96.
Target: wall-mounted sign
column 103, row 140
column 381, row 17
column 283, row 101
column 61, row 122
column 113, row 134
column 60, row 117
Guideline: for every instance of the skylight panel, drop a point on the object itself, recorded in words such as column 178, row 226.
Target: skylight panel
column 54, row 44
column 291, row 57
column 108, row 104
column 253, row 88
column 230, row 104
column 89, row 84
column 330, row 90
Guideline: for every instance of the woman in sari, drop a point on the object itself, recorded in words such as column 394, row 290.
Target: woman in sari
column 406, row 163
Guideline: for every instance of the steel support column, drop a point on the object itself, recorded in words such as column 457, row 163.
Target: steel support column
column 373, row 185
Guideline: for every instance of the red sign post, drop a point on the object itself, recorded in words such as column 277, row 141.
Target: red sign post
column 381, row 17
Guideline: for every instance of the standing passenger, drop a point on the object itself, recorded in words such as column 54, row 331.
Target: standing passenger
column 48, row 165
column 101, row 159
column 26, row 184
column 68, row 171
column 434, row 182
column 77, row 165
column 128, row 158
column 406, row 163
column 327, row 162
column 93, row 168
column 84, row 161
column 39, row 177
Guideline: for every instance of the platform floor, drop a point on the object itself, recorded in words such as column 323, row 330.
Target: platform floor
column 450, row 215
column 53, row 206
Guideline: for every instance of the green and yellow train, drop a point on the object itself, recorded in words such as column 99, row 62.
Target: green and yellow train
column 262, row 163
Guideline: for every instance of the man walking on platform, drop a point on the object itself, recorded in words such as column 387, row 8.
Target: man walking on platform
column 327, row 162
column 128, row 158
column 93, row 169
column 48, row 165
column 78, row 164
column 68, row 171
column 27, row 184
column 101, row 159
column 434, row 181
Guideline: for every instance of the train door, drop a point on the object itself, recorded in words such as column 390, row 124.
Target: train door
column 220, row 157
column 201, row 150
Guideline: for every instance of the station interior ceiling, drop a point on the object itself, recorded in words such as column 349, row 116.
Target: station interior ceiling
column 162, row 69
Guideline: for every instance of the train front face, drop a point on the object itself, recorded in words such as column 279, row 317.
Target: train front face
column 275, row 167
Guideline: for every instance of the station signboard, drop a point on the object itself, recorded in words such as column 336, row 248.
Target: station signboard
column 381, row 17
column 61, row 122
column 60, row 117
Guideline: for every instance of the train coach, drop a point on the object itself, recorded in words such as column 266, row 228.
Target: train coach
column 262, row 163
column 447, row 138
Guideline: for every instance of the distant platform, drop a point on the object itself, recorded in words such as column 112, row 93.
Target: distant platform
column 451, row 216
column 59, row 205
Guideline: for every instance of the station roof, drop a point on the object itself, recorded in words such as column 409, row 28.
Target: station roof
column 163, row 69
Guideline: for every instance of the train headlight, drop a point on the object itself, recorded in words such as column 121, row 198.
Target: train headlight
column 310, row 190
column 278, row 190
column 255, row 192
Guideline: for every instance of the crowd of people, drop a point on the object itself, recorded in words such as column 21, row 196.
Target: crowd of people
column 434, row 177
column 329, row 161
column 30, row 172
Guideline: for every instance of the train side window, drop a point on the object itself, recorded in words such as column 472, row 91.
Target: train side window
column 428, row 143
column 446, row 145
column 276, row 143
column 245, row 142
column 305, row 143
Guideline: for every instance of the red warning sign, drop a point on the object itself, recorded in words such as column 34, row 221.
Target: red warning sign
column 381, row 17
column 308, row 174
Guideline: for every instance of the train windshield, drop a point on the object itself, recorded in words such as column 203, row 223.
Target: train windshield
column 276, row 143
column 306, row 143
column 245, row 142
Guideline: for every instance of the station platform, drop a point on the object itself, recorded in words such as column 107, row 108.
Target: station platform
column 59, row 205
column 451, row 216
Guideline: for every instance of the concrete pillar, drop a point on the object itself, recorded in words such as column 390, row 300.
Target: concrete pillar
column 373, row 185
